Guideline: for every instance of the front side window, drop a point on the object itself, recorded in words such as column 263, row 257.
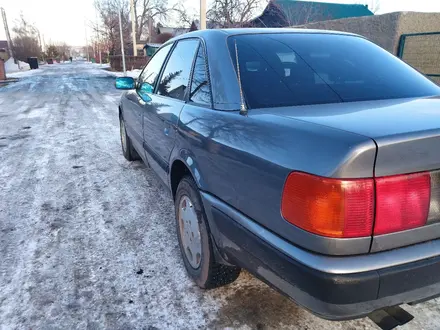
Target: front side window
column 289, row 69
column 200, row 89
column 175, row 77
column 152, row 70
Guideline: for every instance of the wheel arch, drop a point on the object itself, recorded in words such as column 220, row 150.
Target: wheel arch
column 184, row 164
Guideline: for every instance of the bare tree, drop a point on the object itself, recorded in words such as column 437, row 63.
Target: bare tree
column 108, row 29
column 233, row 13
column 145, row 10
column 52, row 51
column 63, row 50
column 25, row 41
column 185, row 16
column 374, row 6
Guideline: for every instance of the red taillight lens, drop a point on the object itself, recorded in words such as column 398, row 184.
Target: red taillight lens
column 402, row 202
column 329, row 207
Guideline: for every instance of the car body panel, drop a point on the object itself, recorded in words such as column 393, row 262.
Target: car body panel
column 406, row 131
column 335, row 288
column 241, row 162
column 258, row 151
column 160, row 118
column 256, row 159
column 323, row 263
column 132, row 114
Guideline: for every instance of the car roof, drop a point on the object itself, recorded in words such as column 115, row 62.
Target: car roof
column 241, row 31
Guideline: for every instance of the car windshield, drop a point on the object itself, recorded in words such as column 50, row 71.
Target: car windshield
column 287, row 69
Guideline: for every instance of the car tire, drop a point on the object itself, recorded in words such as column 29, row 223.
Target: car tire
column 128, row 150
column 206, row 273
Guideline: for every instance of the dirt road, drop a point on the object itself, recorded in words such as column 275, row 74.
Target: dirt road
column 87, row 240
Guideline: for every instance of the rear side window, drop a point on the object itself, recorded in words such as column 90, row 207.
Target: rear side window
column 300, row 69
column 152, row 70
column 175, row 77
column 200, row 88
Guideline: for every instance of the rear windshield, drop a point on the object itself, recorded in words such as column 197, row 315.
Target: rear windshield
column 299, row 69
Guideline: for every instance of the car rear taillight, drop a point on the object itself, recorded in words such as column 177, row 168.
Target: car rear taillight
column 345, row 208
column 402, row 202
column 329, row 207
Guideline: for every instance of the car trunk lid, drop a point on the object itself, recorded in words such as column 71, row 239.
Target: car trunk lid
column 407, row 135
column 406, row 131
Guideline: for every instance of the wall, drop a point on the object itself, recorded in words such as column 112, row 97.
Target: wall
column 2, row 70
column 423, row 53
column 411, row 22
column 4, row 55
column 385, row 30
column 381, row 29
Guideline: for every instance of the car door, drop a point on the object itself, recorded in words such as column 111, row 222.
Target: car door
column 138, row 99
column 161, row 114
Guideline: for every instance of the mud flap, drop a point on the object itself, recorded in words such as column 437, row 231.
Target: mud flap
column 390, row 317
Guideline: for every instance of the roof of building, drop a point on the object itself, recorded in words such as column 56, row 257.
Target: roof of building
column 301, row 12
column 153, row 45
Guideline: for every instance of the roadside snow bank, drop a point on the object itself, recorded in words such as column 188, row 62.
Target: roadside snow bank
column 133, row 73
column 10, row 66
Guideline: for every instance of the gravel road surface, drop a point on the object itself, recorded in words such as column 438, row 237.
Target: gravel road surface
column 87, row 239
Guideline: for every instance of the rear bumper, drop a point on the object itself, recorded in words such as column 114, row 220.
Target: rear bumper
column 334, row 294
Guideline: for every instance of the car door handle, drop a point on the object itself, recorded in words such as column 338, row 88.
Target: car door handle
column 166, row 131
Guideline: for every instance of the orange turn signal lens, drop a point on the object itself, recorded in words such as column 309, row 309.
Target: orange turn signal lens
column 329, row 207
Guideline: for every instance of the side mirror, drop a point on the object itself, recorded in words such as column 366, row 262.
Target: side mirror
column 125, row 83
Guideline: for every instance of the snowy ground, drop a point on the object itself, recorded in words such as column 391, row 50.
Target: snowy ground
column 87, row 240
column 11, row 67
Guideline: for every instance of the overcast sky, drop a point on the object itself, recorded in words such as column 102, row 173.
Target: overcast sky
column 63, row 20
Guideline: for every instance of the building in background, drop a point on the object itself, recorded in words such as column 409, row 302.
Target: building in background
column 4, row 50
column 284, row 13
column 151, row 48
column 2, row 70
column 174, row 31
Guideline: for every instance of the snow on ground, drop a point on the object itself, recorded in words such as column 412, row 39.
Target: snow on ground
column 131, row 73
column 11, row 67
column 22, row 74
column 88, row 239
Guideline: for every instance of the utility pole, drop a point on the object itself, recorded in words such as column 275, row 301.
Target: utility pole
column 87, row 43
column 122, row 43
column 202, row 14
column 39, row 40
column 133, row 27
column 8, row 36
column 99, row 40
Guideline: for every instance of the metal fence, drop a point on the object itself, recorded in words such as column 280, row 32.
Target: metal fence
column 422, row 51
